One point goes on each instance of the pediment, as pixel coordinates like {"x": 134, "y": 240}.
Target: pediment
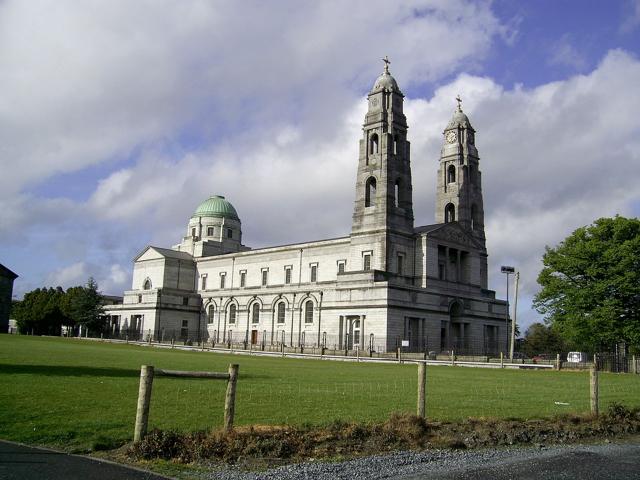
{"x": 155, "y": 253}
{"x": 453, "y": 233}
{"x": 149, "y": 253}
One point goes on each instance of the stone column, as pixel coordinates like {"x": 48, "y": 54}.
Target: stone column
{"x": 446, "y": 263}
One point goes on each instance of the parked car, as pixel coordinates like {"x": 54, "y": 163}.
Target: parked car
{"x": 577, "y": 357}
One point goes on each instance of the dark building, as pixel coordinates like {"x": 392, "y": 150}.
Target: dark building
{"x": 6, "y": 291}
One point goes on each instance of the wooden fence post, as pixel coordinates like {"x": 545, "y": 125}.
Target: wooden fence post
{"x": 230, "y": 398}
{"x": 634, "y": 365}
{"x": 501, "y": 360}
{"x": 144, "y": 398}
{"x": 453, "y": 358}
{"x": 558, "y": 364}
{"x": 593, "y": 383}
{"x": 422, "y": 381}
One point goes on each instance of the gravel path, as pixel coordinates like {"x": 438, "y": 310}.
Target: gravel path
{"x": 414, "y": 465}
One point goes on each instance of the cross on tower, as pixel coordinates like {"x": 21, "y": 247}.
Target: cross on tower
{"x": 459, "y": 100}
{"x": 386, "y": 63}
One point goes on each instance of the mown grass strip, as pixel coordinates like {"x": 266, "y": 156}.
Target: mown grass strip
{"x": 81, "y": 395}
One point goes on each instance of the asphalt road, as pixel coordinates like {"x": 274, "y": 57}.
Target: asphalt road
{"x": 584, "y": 462}
{"x": 19, "y": 462}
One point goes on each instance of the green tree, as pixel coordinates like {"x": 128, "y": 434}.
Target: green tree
{"x": 591, "y": 285}
{"x": 86, "y": 307}
{"x": 39, "y": 312}
{"x": 540, "y": 338}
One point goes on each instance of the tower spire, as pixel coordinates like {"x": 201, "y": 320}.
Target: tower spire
{"x": 387, "y": 62}
{"x": 383, "y": 209}
{"x": 459, "y": 189}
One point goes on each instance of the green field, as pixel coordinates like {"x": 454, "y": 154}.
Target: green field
{"x": 78, "y": 394}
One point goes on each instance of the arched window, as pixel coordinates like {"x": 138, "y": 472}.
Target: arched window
{"x": 255, "y": 313}
{"x": 449, "y": 213}
{"x": 396, "y": 193}
{"x": 451, "y": 174}
{"x": 474, "y": 215}
{"x": 147, "y": 284}
{"x": 373, "y": 143}
{"x": 280, "y": 312}
{"x": 370, "y": 192}
{"x": 211, "y": 314}
{"x": 396, "y": 139}
{"x": 232, "y": 313}
{"x": 308, "y": 311}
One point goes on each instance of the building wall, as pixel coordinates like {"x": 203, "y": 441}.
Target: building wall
{"x": 6, "y": 291}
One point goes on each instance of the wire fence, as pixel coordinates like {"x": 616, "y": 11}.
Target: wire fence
{"x": 617, "y": 358}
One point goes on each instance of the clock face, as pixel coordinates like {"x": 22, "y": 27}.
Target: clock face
{"x": 451, "y": 136}
{"x": 374, "y": 102}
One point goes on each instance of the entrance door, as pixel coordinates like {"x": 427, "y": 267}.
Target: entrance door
{"x": 254, "y": 337}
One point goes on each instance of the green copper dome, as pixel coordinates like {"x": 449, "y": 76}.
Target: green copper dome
{"x": 216, "y": 206}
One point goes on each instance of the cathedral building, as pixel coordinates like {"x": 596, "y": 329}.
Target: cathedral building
{"x": 388, "y": 283}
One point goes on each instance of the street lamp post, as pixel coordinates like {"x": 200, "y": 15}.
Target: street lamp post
{"x": 508, "y": 271}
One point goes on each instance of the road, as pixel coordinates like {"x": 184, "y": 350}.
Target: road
{"x": 584, "y": 462}
{"x": 19, "y": 462}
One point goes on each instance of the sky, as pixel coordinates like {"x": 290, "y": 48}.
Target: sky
{"x": 117, "y": 118}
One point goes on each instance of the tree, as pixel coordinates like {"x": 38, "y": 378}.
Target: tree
{"x": 39, "y": 312}
{"x": 591, "y": 285}
{"x": 86, "y": 307}
{"x": 540, "y": 338}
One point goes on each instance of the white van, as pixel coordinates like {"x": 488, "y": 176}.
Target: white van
{"x": 577, "y": 357}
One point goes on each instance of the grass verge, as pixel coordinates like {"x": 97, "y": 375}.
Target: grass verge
{"x": 399, "y": 432}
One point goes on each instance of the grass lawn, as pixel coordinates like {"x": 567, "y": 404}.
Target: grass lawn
{"x": 79, "y": 394}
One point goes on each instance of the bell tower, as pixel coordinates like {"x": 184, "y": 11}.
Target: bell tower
{"x": 459, "y": 186}
{"x": 383, "y": 210}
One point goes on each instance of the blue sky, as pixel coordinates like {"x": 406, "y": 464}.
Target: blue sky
{"x": 118, "y": 118}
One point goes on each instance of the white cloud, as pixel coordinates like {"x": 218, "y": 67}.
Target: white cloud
{"x": 565, "y": 53}
{"x": 85, "y": 83}
{"x": 70, "y": 276}
{"x": 631, "y": 14}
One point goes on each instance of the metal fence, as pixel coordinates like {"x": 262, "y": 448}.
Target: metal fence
{"x": 615, "y": 359}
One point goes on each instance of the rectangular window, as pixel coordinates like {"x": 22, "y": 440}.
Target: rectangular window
{"x": 281, "y": 307}
{"x": 185, "y": 301}
{"x": 184, "y": 331}
{"x": 441, "y": 271}
{"x": 229, "y": 233}
{"x": 341, "y": 264}
{"x": 314, "y": 273}
{"x": 204, "y": 282}
{"x": 210, "y": 231}
{"x": 265, "y": 275}
{"x": 400, "y": 264}
{"x": 223, "y": 278}
{"x": 193, "y": 232}
{"x": 287, "y": 275}
{"x": 243, "y": 278}
{"x": 139, "y": 298}
{"x": 366, "y": 262}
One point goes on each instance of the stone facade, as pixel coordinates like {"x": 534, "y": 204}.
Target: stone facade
{"x": 386, "y": 282}
{"x": 6, "y": 291}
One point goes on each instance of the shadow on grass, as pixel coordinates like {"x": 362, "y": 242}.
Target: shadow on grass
{"x": 67, "y": 371}
{"x": 84, "y": 371}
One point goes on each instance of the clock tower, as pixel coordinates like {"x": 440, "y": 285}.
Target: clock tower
{"x": 459, "y": 186}
{"x": 383, "y": 211}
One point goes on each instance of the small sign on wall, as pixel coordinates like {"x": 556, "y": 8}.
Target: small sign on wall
{"x": 405, "y": 343}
